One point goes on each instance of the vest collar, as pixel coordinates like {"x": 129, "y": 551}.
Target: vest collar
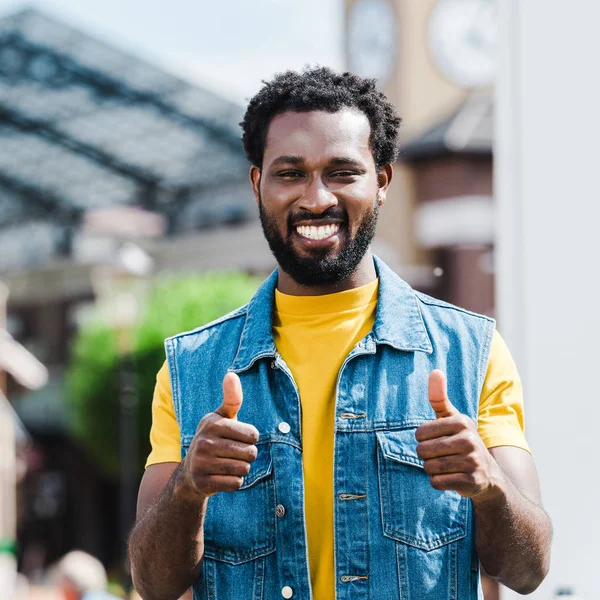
{"x": 398, "y": 320}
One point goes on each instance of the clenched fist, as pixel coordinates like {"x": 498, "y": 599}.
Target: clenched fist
{"x": 454, "y": 455}
{"x": 220, "y": 454}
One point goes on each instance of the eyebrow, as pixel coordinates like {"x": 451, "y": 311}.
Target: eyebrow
{"x": 298, "y": 160}
{"x": 345, "y": 160}
{"x": 288, "y": 160}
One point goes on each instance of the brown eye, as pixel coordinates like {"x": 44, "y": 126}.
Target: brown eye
{"x": 289, "y": 174}
{"x": 345, "y": 174}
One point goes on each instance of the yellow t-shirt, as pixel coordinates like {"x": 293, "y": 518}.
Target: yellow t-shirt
{"x": 314, "y": 334}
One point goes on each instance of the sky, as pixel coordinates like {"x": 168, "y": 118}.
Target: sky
{"x": 228, "y": 46}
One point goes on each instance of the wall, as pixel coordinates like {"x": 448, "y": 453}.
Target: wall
{"x": 547, "y": 257}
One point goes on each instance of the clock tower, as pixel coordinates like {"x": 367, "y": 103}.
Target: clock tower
{"x": 427, "y": 55}
{"x": 430, "y": 57}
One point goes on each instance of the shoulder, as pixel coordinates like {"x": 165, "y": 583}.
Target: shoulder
{"x": 436, "y": 305}
{"x": 230, "y": 320}
{"x": 466, "y": 332}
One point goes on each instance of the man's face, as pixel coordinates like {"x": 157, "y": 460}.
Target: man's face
{"x": 319, "y": 193}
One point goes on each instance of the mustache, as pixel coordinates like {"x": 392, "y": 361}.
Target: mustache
{"x": 332, "y": 213}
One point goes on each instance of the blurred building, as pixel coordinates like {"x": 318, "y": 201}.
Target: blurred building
{"x": 435, "y": 61}
{"x": 98, "y": 148}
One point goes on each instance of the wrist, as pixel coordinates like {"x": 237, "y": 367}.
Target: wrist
{"x": 184, "y": 490}
{"x": 496, "y": 490}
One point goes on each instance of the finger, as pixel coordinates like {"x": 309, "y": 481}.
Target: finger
{"x": 444, "y": 446}
{"x": 232, "y": 396}
{"x": 438, "y": 395}
{"x": 441, "y": 427}
{"x": 227, "y": 466}
{"x": 237, "y": 450}
{"x": 231, "y": 429}
{"x": 442, "y": 465}
{"x": 465, "y": 484}
{"x": 220, "y": 483}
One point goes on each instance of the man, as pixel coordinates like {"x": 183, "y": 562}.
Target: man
{"x": 324, "y": 456}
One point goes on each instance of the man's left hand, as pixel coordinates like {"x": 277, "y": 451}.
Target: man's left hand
{"x": 455, "y": 457}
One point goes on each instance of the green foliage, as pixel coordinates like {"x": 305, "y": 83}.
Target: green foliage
{"x": 175, "y": 304}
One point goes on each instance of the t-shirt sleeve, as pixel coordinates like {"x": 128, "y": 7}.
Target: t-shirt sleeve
{"x": 501, "y": 420}
{"x": 164, "y": 433}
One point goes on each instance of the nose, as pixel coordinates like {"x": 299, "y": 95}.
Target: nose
{"x": 317, "y": 198}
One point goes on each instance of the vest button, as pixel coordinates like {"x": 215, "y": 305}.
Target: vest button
{"x": 287, "y": 591}
{"x": 284, "y": 428}
{"x": 280, "y": 510}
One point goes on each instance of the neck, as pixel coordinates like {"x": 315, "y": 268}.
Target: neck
{"x": 363, "y": 274}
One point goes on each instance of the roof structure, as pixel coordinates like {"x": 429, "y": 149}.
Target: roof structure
{"x": 84, "y": 125}
{"x": 468, "y": 130}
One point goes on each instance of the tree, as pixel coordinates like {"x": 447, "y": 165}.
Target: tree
{"x": 175, "y": 304}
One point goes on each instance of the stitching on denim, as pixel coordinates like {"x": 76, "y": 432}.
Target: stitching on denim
{"x": 484, "y": 358}
{"x": 452, "y": 550}
{"x": 252, "y": 361}
{"x": 438, "y": 542}
{"x": 430, "y": 301}
{"x": 238, "y": 312}
{"x": 401, "y": 570}
{"x": 404, "y": 459}
{"x": 366, "y": 470}
{"x": 428, "y": 338}
{"x": 460, "y": 532}
{"x": 275, "y": 438}
{"x": 237, "y": 558}
{"x": 210, "y": 578}
{"x": 175, "y": 392}
{"x": 399, "y": 457}
{"x": 374, "y": 426}
{"x": 186, "y": 440}
{"x": 259, "y": 474}
{"x": 259, "y": 578}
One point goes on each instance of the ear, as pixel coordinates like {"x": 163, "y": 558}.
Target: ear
{"x": 255, "y": 182}
{"x": 384, "y": 178}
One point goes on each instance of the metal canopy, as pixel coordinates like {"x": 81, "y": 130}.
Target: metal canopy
{"x": 84, "y": 125}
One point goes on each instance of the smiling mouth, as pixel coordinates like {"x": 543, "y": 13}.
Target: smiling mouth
{"x": 321, "y": 232}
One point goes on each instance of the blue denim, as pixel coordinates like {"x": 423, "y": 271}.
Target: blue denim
{"x": 395, "y": 536}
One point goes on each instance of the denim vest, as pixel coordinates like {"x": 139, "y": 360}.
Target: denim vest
{"x": 395, "y": 536}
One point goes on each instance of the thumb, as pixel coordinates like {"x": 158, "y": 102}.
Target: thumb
{"x": 438, "y": 395}
{"x": 232, "y": 396}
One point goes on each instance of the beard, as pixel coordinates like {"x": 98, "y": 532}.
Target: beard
{"x": 325, "y": 267}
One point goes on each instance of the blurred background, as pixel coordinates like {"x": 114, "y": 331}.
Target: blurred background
{"x": 126, "y": 216}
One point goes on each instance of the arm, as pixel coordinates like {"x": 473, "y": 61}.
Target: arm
{"x": 514, "y": 534}
{"x": 164, "y": 562}
{"x": 166, "y": 545}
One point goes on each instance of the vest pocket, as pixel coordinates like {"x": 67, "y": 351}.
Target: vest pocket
{"x": 412, "y": 511}
{"x": 240, "y": 526}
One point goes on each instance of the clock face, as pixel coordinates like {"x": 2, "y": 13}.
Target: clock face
{"x": 462, "y": 41}
{"x": 372, "y": 39}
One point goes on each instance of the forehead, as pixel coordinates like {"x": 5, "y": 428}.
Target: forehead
{"x": 318, "y": 135}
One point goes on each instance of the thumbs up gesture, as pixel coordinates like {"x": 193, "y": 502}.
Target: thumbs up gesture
{"x": 223, "y": 448}
{"x": 454, "y": 455}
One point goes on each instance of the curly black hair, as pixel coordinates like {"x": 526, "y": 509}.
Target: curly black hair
{"x": 320, "y": 88}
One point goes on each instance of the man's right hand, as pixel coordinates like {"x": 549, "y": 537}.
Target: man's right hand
{"x": 220, "y": 454}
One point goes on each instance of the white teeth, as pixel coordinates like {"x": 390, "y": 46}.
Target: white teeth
{"x": 317, "y": 233}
